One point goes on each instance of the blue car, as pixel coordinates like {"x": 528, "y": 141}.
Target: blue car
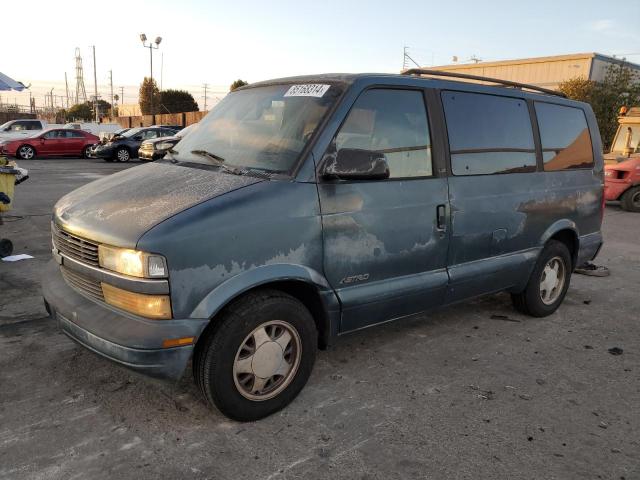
{"x": 124, "y": 146}
{"x": 305, "y": 208}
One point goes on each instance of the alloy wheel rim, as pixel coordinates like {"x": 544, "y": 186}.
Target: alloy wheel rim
{"x": 26, "y": 152}
{"x": 123, "y": 155}
{"x": 267, "y": 360}
{"x": 552, "y": 280}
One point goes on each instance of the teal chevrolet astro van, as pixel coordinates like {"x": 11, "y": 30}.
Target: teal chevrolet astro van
{"x": 305, "y": 208}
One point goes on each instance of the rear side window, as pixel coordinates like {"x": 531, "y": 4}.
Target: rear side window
{"x": 393, "y": 122}
{"x": 565, "y": 138}
{"x": 488, "y": 134}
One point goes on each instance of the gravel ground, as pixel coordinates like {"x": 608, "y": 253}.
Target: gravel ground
{"x": 472, "y": 391}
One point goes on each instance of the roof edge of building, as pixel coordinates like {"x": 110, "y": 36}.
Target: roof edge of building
{"x": 553, "y": 58}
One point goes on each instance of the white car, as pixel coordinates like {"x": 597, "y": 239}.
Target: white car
{"x": 21, "y": 128}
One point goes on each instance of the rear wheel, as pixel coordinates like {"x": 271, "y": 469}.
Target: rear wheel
{"x": 630, "y": 200}
{"x": 258, "y": 355}
{"x": 26, "y": 152}
{"x": 549, "y": 282}
{"x": 123, "y": 155}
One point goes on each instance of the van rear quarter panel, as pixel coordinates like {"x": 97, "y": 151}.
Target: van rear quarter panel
{"x": 271, "y": 224}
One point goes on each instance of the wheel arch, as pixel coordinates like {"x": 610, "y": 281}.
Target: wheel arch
{"x": 564, "y": 231}
{"x": 302, "y": 283}
{"x": 35, "y": 151}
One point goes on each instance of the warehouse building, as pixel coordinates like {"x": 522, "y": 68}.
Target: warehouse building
{"x": 546, "y": 72}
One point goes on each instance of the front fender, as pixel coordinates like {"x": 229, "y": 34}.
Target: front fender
{"x": 220, "y": 296}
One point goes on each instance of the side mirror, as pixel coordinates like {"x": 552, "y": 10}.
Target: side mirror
{"x": 357, "y": 164}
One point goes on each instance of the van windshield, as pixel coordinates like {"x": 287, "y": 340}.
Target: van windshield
{"x": 264, "y": 128}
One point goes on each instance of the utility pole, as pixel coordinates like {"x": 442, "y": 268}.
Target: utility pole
{"x": 95, "y": 84}
{"x": 111, "y": 84}
{"x": 66, "y": 84}
{"x": 161, "y": 68}
{"x": 121, "y": 95}
{"x": 205, "y": 86}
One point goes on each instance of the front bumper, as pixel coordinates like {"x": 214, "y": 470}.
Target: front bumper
{"x": 126, "y": 339}
{"x": 104, "y": 152}
{"x": 150, "y": 154}
{"x": 614, "y": 188}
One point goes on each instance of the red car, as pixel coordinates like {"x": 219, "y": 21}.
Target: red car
{"x": 622, "y": 182}
{"x": 56, "y": 142}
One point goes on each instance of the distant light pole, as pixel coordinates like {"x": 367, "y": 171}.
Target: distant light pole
{"x": 151, "y": 48}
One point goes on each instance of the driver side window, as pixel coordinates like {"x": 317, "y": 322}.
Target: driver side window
{"x": 392, "y": 122}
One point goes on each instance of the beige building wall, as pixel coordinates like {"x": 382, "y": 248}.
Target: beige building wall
{"x": 546, "y": 72}
{"x": 129, "y": 110}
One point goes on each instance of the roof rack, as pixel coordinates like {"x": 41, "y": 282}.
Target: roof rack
{"x": 506, "y": 83}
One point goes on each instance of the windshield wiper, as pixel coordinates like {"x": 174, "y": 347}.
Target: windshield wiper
{"x": 218, "y": 162}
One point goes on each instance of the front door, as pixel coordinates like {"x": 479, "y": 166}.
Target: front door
{"x": 385, "y": 241}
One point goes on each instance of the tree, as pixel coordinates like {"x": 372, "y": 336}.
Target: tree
{"x": 148, "y": 96}
{"x": 176, "y": 101}
{"x": 237, "y": 84}
{"x": 620, "y": 87}
{"x": 80, "y": 111}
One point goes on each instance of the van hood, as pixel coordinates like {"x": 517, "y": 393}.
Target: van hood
{"x": 120, "y": 208}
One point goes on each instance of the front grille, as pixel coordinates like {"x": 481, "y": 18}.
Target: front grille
{"x": 75, "y": 247}
{"x": 80, "y": 282}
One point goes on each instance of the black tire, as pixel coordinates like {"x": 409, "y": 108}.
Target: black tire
{"x": 630, "y": 199}
{"x": 26, "y": 152}
{"x": 530, "y": 300}
{"x": 85, "y": 152}
{"x": 215, "y": 354}
{"x": 122, "y": 155}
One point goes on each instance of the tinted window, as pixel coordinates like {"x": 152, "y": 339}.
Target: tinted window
{"x": 488, "y": 134}
{"x": 565, "y": 138}
{"x": 33, "y": 125}
{"x": 55, "y": 134}
{"x": 393, "y": 122}
{"x": 71, "y": 134}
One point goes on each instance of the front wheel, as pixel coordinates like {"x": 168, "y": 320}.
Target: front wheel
{"x": 86, "y": 152}
{"x": 549, "y": 282}
{"x": 26, "y": 152}
{"x": 123, "y": 155}
{"x": 257, "y": 356}
{"x": 630, "y": 200}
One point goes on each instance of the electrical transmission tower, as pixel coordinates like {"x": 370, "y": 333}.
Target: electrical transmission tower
{"x": 406, "y": 59}
{"x": 81, "y": 93}
{"x": 205, "y": 86}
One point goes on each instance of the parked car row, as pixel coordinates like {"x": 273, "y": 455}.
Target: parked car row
{"x": 124, "y": 146}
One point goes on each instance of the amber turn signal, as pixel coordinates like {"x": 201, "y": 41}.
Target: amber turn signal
{"x": 156, "y": 307}
{"x": 177, "y": 342}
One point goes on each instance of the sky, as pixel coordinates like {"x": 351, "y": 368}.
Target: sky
{"x": 217, "y": 42}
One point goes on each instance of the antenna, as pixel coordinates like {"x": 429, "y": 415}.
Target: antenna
{"x": 81, "y": 93}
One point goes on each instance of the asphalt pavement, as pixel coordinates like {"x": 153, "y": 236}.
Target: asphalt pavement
{"x": 473, "y": 391}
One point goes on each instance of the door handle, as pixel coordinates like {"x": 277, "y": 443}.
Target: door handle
{"x": 441, "y": 218}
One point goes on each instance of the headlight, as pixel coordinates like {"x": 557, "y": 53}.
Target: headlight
{"x": 157, "y": 307}
{"x": 163, "y": 146}
{"x": 132, "y": 262}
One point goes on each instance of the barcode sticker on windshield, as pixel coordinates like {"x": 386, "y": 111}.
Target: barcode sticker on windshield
{"x": 307, "y": 90}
